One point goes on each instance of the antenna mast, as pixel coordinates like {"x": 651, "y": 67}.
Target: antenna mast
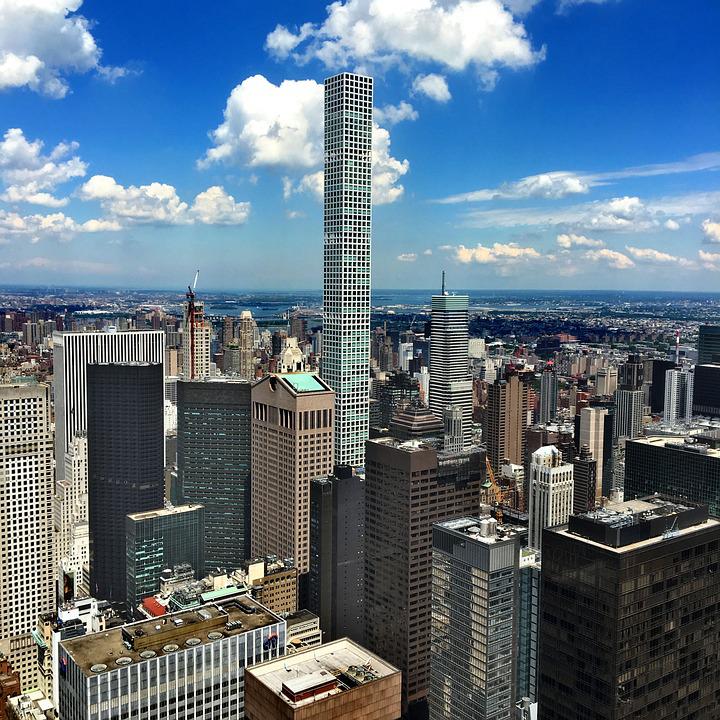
{"x": 190, "y": 295}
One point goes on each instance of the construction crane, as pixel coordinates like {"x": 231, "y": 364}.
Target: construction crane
{"x": 190, "y": 295}
{"x": 491, "y": 483}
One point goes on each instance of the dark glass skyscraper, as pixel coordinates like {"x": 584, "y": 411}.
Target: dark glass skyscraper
{"x": 213, "y": 436}
{"x": 709, "y": 344}
{"x": 126, "y": 454}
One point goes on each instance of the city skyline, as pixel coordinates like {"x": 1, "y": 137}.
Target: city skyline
{"x": 192, "y": 157}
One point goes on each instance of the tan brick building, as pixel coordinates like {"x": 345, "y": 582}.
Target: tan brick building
{"x": 337, "y": 681}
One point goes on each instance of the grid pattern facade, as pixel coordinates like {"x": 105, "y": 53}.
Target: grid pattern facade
{"x": 528, "y": 635}
{"x": 26, "y": 542}
{"x": 548, "y": 395}
{"x": 72, "y": 353}
{"x": 629, "y": 413}
{"x": 126, "y": 442}
{"x": 506, "y": 421}
{"x": 450, "y": 381}
{"x": 708, "y": 344}
{"x": 196, "y": 339}
{"x": 474, "y": 626}
{"x": 706, "y": 395}
{"x": 158, "y": 540}
{"x": 213, "y": 458}
{"x": 292, "y": 444}
{"x": 347, "y": 239}
{"x": 678, "y": 395}
{"x": 630, "y": 633}
{"x": 407, "y": 490}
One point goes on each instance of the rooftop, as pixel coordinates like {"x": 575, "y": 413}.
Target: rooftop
{"x": 683, "y": 443}
{"x": 164, "y": 512}
{"x": 303, "y": 382}
{"x": 481, "y": 529}
{"x": 319, "y": 673}
{"x": 146, "y": 639}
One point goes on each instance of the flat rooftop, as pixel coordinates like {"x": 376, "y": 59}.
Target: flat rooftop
{"x": 302, "y": 382}
{"x": 678, "y": 442}
{"x": 485, "y": 530}
{"x": 342, "y": 663}
{"x": 165, "y": 512}
{"x": 102, "y": 652}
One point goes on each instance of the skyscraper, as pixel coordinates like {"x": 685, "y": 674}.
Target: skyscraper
{"x": 126, "y": 447}
{"x": 585, "y": 482}
{"x": 409, "y": 486}
{"x": 72, "y": 353}
{"x": 26, "y": 536}
{"x": 628, "y": 623}
{"x": 246, "y": 343}
{"x": 548, "y": 393}
{"x": 594, "y": 428}
{"x": 678, "y": 395}
{"x": 347, "y": 235}
{"x": 292, "y": 444}
{"x": 629, "y": 406}
{"x": 706, "y": 390}
{"x": 196, "y": 339}
{"x": 606, "y": 381}
{"x": 450, "y": 381}
{"x": 708, "y": 344}
{"x": 213, "y": 458}
{"x": 551, "y": 492}
{"x": 474, "y": 620}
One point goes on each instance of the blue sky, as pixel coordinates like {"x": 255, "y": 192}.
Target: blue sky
{"x": 525, "y": 144}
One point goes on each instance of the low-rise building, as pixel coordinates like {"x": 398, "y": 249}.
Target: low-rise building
{"x": 303, "y": 630}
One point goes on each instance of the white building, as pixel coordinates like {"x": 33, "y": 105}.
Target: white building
{"x": 72, "y": 353}
{"x": 405, "y": 355}
{"x": 606, "y": 381}
{"x": 629, "y": 409}
{"x": 551, "y": 492}
{"x": 196, "y": 339}
{"x": 592, "y": 434}
{"x": 678, "y": 395}
{"x": 346, "y": 287}
{"x": 450, "y": 381}
{"x": 27, "y": 586}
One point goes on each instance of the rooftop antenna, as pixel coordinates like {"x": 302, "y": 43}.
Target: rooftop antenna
{"x": 190, "y": 295}
{"x": 443, "y": 283}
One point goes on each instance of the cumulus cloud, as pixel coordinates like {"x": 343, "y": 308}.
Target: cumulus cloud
{"x": 711, "y": 230}
{"x": 393, "y": 114}
{"x": 709, "y": 260}
{"x": 31, "y": 176}
{"x": 433, "y": 86}
{"x": 564, "y": 5}
{"x": 570, "y": 240}
{"x": 159, "y": 203}
{"x": 55, "y": 224}
{"x": 496, "y": 253}
{"x": 612, "y": 258}
{"x": 407, "y": 257}
{"x": 44, "y": 41}
{"x": 267, "y": 125}
{"x": 553, "y": 185}
{"x": 427, "y": 252}
{"x": 658, "y": 257}
{"x": 671, "y": 224}
{"x": 454, "y": 34}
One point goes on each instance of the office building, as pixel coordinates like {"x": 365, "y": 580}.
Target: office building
{"x": 72, "y": 353}
{"x": 9, "y": 685}
{"x": 631, "y": 374}
{"x": 390, "y": 393}
{"x": 529, "y": 595}
{"x": 550, "y": 490}
{"x": 303, "y": 630}
{"x": 347, "y": 239}
{"x": 196, "y": 339}
{"x": 706, "y": 391}
{"x": 606, "y": 381}
{"x": 450, "y": 380}
{"x": 292, "y": 444}
{"x": 27, "y": 572}
{"x": 247, "y": 328}
{"x": 640, "y": 640}
{"x": 708, "y": 344}
{"x": 409, "y": 486}
{"x": 415, "y": 421}
{"x": 337, "y": 555}
{"x": 126, "y": 449}
{"x": 213, "y": 460}
{"x": 548, "y": 394}
{"x": 507, "y": 418}
{"x": 474, "y": 620}
{"x": 160, "y": 539}
{"x": 585, "y": 482}
{"x": 188, "y": 665}
{"x": 674, "y": 466}
{"x": 338, "y": 681}
{"x": 629, "y": 406}
{"x": 595, "y": 428}
{"x": 657, "y": 388}
{"x": 71, "y": 531}
{"x": 678, "y": 406}
{"x": 274, "y": 584}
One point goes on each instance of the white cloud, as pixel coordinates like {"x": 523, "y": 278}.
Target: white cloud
{"x": 159, "y": 203}
{"x": 497, "y": 253}
{"x": 454, "y": 34}
{"x": 55, "y": 224}
{"x": 214, "y": 206}
{"x": 44, "y": 41}
{"x": 710, "y": 261}
{"x": 294, "y": 214}
{"x": 711, "y": 230}
{"x": 93, "y": 226}
{"x": 564, "y": 5}
{"x": 427, "y": 252}
{"x": 282, "y": 126}
{"x": 80, "y": 266}
{"x": 433, "y": 86}
{"x": 570, "y": 240}
{"x": 671, "y": 224}
{"x": 407, "y": 257}
{"x": 393, "y": 114}
{"x": 29, "y": 175}
{"x": 612, "y": 258}
{"x": 658, "y": 257}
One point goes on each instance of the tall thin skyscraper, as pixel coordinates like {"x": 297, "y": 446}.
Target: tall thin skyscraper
{"x": 246, "y": 342}
{"x": 629, "y": 406}
{"x": 678, "y": 395}
{"x": 196, "y": 338}
{"x": 347, "y": 234}
{"x": 26, "y": 539}
{"x": 548, "y": 393}
{"x": 450, "y": 381}
{"x": 72, "y": 353}
{"x": 126, "y": 442}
